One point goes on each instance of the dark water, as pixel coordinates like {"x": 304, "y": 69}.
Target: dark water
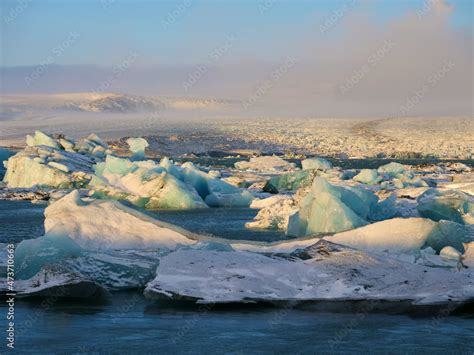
{"x": 127, "y": 323}
{"x": 226, "y": 223}
{"x": 343, "y": 163}
{"x": 23, "y": 220}
{"x": 20, "y": 220}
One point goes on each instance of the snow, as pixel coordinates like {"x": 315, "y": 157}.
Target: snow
{"x": 265, "y": 163}
{"x": 402, "y": 235}
{"x": 107, "y": 224}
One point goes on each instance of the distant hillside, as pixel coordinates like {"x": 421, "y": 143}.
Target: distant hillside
{"x": 109, "y": 103}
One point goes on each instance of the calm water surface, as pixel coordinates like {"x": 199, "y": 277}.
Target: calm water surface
{"x": 127, "y": 323}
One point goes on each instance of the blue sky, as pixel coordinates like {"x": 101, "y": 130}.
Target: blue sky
{"x": 109, "y": 30}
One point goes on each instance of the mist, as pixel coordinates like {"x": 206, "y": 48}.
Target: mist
{"x": 347, "y": 64}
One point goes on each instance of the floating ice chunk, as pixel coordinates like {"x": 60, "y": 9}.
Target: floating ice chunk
{"x": 41, "y": 138}
{"x": 265, "y": 163}
{"x": 274, "y": 214}
{"x": 384, "y": 210}
{"x": 236, "y": 199}
{"x": 451, "y": 234}
{"x": 104, "y": 225}
{"x": 331, "y": 209}
{"x": 403, "y": 235}
{"x": 323, "y": 271}
{"x": 94, "y": 138}
{"x": 450, "y": 253}
{"x": 408, "y": 178}
{"x": 137, "y": 147}
{"x": 59, "y": 166}
{"x": 115, "y": 165}
{"x": 452, "y": 205}
{"x": 175, "y": 195}
{"x": 116, "y": 270}
{"x": 368, "y": 176}
{"x": 323, "y": 214}
{"x": 67, "y": 144}
{"x": 215, "y": 192}
{"x": 32, "y": 254}
{"x": 90, "y": 144}
{"x": 396, "y": 235}
{"x": 168, "y": 165}
{"x": 316, "y": 163}
{"x": 216, "y": 174}
{"x": 42, "y": 166}
{"x": 391, "y": 169}
{"x": 289, "y": 181}
{"x": 468, "y": 256}
{"x": 57, "y": 281}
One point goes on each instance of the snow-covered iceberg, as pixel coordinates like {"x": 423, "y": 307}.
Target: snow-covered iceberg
{"x": 399, "y": 235}
{"x": 54, "y": 162}
{"x": 46, "y": 167}
{"x": 321, "y": 272}
{"x": 108, "y": 224}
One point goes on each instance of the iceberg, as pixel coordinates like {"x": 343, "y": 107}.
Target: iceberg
{"x": 56, "y": 281}
{"x": 403, "y": 235}
{"x": 289, "y": 181}
{"x": 450, "y": 253}
{"x": 125, "y": 228}
{"x": 392, "y": 169}
{"x": 321, "y": 272}
{"x": 92, "y": 145}
{"x": 33, "y": 254}
{"x": 46, "y": 167}
{"x": 40, "y": 138}
{"x": 238, "y": 199}
{"x": 368, "y": 176}
{"x": 330, "y": 209}
{"x": 143, "y": 184}
{"x": 451, "y": 205}
{"x": 137, "y": 147}
{"x": 316, "y": 164}
{"x": 274, "y": 213}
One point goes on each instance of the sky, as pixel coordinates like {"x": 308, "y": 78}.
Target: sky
{"x": 361, "y": 57}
